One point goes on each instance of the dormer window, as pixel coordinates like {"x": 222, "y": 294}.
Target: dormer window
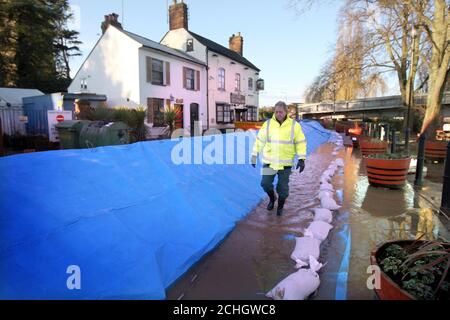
{"x": 190, "y": 44}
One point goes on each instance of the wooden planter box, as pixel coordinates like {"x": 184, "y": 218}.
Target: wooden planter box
{"x": 389, "y": 290}
{"x": 368, "y": 147}
{"x": 435, "y": 150}
{"x": 387, "y": 173}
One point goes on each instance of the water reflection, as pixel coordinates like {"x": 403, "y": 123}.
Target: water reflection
{"x": 385, "y": 203}
{"x": 425, "y": 227}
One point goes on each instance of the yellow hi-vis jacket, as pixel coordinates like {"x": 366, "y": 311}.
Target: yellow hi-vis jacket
{"x": 280, "y": 143}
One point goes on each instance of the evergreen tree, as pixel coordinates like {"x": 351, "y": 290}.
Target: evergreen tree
{"x": 36, "y": 44}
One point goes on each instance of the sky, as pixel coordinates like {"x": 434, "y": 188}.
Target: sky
{"x": 289, "y": 48}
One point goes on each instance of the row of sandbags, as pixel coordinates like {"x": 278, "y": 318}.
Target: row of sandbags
{"x": 302, "y": 283}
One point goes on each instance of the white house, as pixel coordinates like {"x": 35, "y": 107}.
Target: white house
{"x": 134, "y": 71}
{"x": 233, "y": 81}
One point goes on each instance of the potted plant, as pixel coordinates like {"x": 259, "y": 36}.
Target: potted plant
{"x": 372, "y": 146}
{"x": 413, "y": 270}
{"x": 387, "y": 170}
{"x": 435, "y": 150}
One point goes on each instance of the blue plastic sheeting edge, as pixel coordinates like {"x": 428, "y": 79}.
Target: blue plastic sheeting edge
{"x": 342, "y": 275}
{"x": 312, "y": 128}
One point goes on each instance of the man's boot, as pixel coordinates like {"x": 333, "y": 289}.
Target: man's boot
{"x": 280, "y": 206}
{"x": 272, "y": 199}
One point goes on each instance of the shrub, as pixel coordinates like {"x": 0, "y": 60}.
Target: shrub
{"x": 133, "y": 118}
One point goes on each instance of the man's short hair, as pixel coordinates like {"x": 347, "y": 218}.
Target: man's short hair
{"x": 281, "y": 104}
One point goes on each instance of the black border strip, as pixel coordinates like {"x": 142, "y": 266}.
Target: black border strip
{"x": 387, "y": 175}
{"x": 375, "y": 168}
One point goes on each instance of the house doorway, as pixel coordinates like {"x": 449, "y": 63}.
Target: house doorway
{"x": 241, "y": 115}
{"x": 193, "y": 117}
{"x": 178, "y": 108}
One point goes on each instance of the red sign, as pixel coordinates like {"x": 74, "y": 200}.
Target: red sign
{"x": 60, "y": 118}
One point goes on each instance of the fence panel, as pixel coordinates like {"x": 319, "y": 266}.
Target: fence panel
{"x": 11, "y": 123}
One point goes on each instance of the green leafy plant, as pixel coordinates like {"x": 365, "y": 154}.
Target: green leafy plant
{"x": 420, "y": 268}
{"x": 169, "y": 119}
{"x": 133, "y": 118}
{"x": 101, "y": 114}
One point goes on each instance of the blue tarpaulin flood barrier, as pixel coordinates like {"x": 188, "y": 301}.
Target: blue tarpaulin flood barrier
{"x": 129, "y": 218}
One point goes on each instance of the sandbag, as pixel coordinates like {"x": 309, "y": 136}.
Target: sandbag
{"x": 325, "y": 179}
{"x": 298, "y": 285}
{"x": 326, "y": 186}
{"x": 339, "y": 162}
{"x": 329, "y": 203}
{"x": 322, "y": 214}
{"x": 325, "y": 193}
{"x": 319, "y": 229}
{"x": 332, "y": 167}
{"x": 304, "y": 247}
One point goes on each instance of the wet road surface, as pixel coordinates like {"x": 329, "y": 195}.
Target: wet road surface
{"x": 255, "y": 256}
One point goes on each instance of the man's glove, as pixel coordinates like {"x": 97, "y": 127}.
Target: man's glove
{"x": 301, "y": 165}
{"x": 254, "y": 161}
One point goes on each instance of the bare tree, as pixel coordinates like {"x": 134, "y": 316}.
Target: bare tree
{"x": 433, "y": 18}
{"x": 347, "y": 76}
{"x": 408, "y": 37}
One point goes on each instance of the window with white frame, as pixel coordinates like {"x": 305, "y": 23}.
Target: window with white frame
{"x": 157, "y": 71}
{"x": 190, "y": 79}
{"x": 237, "y": 82}
{"x": 252, "y": 113}
{"x": 221, "y": 79}
{"x": 250, "y": 84}
{"x": 223, "y": 113}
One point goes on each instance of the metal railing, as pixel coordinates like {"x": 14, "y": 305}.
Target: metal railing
{"x": 390, "y": 102}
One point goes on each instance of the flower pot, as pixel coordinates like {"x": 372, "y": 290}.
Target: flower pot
{"x": 370, "y": 147}
{"x": 387, "y": 173}
{"x": 388, "y": 289}
{"x": 406, "y": 268}
{"x": 435, "y": 150}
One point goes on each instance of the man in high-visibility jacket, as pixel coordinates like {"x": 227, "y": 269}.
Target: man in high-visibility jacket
{"x": 279, "y": 140}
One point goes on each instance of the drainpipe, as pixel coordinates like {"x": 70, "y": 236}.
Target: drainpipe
{"x": 418, "y": 182}
{"x": 445, "y": 204}
{"x": 207, "y": 90}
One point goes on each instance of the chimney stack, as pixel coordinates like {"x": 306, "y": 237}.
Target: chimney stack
{"x": 178, "y": 15}
{"x": 111, "y": 19}
{"x": 237, "y": 43}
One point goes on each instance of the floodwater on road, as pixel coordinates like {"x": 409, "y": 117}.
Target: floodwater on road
{"x": 255, "y": 256}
